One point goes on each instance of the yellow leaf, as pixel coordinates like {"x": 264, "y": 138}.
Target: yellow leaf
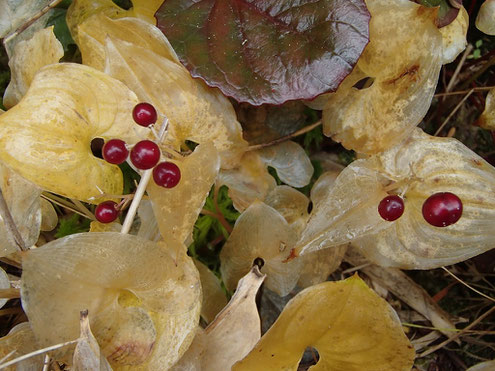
{"x": 46, "y": 137}
{"x": 214, "y": 299}
{"x": 487, "y": 118}
{"x": 318, "y": 265}
{"x": 21, "y": 340}
{"x": 28, "y": 58}
{"x": 402, "y": 63}
{"x": 260, "y": 233}
{"x": 236, "y": 329}
{"x": 177, "y": 209}
{"x": 144, "y": 297}
{"x": 454, "y": 36}
{"x": 49, "y": 217}
{"x": 351, "y": 327}
{"x": 485, "y": 20}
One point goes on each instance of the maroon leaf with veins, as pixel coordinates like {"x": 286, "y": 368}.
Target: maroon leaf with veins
{"x": 267, "y": 51}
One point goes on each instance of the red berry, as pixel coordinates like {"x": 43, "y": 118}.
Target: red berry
{"x": 145, "y": 154}
{"x": 144, "y": 114}
{"x": 106, "y": 212}
{"x": 442, "y": 209}
{"x": 166, "y": 174}
{"x": 391, "y": 208}
{"x": 115, "y": 152}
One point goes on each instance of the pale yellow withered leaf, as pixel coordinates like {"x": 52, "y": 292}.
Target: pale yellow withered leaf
{"x": 87, "y": 355}
{"x": 248, "y": 182}
{"x": 418, "y": 168}
{"x": 291, "y": 204}
{"x": 21, "y": 340}
{"x": 346, "y": 209}
{"x": 29, "y": 57}
{"x": 487, "y": 118}
{"x": 483, "y": 366}
{"x": 23, "y": 200}
{"x": 318, "y": 265}
{"x": 350, "y": 326}
{"x": 290, "y": 161}
{"x": 145, "y": 9}
{"x": 49, "y": 217}
{"x": 322, "y": 185}
{"x": 148, "y": 228}
{"x": 15, "y": 12}
{"x": 177, "y": 209}
{"x": 144, "y": 297}
{"x": 191, "y": 360}
{"x": 236, "y": 329}
{"x": 4, "y": 284}
{"x": 402, "y": 63}
{"x": 261, "y": 233}
{"x": 96, "y": 226}
{"x": 65, "y": 108}
{"x": 485, "y": 20}
{"x": 196, "y": 112}
{"x": 454, "y": 36}
{"x": 93, "y": 32}
{"x": 214, "y": 299}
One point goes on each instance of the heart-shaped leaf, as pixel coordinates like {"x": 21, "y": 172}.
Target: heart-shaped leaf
{"x": 267, "y": 51}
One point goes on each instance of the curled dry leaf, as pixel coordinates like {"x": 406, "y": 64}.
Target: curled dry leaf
{"x": 16, "y": 12}
{"x": 417, "y": 168}
{"x": 21, "y": 340}
{"x": 454, "y": 36}
{"x": 23, "y": 200}
{"x": 28, "y": 58}
{"x": 402, "y": 62}
{"x": 177, "y": 209}
{"x": 485, "y": 21}
{"x": 261, "y": 233}
{"x": 144, "y": 297}
{"x": 487, "y": 118}
{"x": 87, "y": 355}
{"x": 318, "y": 265}
{"x": 49, "y": 217}
{"x": 290, "y": 161}
{"x": 191, "y": 360}
{"x": 214, "y": 298}
{"x": 237, "y": 328}
{"x": 351, "y": 327}
{"x": 4, "y": 284}
{"x": 248, "y": 182}
{"x": 65, "y": 108}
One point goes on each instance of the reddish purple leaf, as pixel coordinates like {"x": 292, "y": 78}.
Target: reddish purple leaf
{"x": 267, "y": 51}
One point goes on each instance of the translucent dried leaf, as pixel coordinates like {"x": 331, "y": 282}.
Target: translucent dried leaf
{"x": 351, "y": 327}
{"x": 260, "y": 232}
{"x": 248, "y": 181}
{"x": 236, "y": 329}
{"x": 290, "y": 161}
{"x": 318, "y": 265}
{"x": 4, "y": 284}
{"x": 191, "y": 360}
{"x": 56, "y": 147}
{"x": 487, "y": 118}
{"x": 23, "y": 201}
{"x": 21, "y": 340}
{"x": 96, "y": 226}
{"x": 421, "y": 166}
{"x": 214, "y": 299}
{"x": 178, "y": 208}
{"x": 87, "y": 356}
{"x": 16, "y": 12}
{"x": 28, "y": 58}
{"x": 322, "y": 185}
{"x": 454, "y": 36}
{"x": 144, "y": 297}
{"x": 483, "y": 366}
{"x": 49, "y": 217}
{"x": 93, "y": 32}
{"x": 485, "y": 20}
{"x": 148, "y": 229}
{"x": 402, "y": 61}
{"x": 291, "y": 204}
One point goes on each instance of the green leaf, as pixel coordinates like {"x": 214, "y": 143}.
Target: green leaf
{"x": 57, "y": 20}
{"x": 71, "y": 225}
{"x": 267, "y": 51}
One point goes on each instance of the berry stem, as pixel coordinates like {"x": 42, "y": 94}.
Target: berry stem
{"x": 143, "y": 183}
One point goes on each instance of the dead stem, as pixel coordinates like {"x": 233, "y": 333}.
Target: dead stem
{"x": 467, "y": 285}
{"x": 220, "y": 218}
{"x": 452, "y": 113}
{"x": 10, "y": 293}
{"x": 302, "y": 131}
{"x": 10, "y": 224}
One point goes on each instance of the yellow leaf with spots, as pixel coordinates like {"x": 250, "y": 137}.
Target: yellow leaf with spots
{"x": 352, "y": 328}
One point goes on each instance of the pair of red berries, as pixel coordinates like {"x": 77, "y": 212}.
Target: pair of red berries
{"x": 144, "y": 155}
{"x": 440, "y": 209}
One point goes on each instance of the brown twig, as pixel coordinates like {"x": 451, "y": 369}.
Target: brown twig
{"x": 220, "y": 218}
{"x": 10, "y": 293}
{"x": 452, "y": 113}
{"x": 480, "y": 88}
{"x": 31, "y": 20}
{"x": 302, "y": 131}
{"x": 453, "y": 80}
{"x": 10, "y": 224}
{"x": 460, "y": 333}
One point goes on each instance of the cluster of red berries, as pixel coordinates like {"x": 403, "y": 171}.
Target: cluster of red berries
{"x": 440, "y": 209}
{"x": 144, "y": 155}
